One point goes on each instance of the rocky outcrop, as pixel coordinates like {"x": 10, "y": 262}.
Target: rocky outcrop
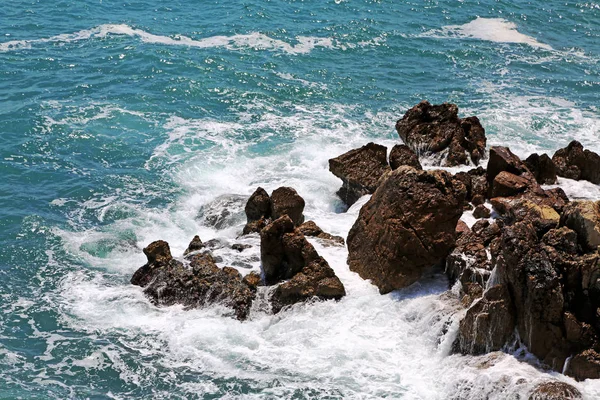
{"x": 584, "y": 218}
{"x": 195, "y": 245}
{"x": 167, "y": 281}
{"x": 258, "y": 211}
{"x": 286, "y": 201}
{"x": 360, "y": 171}
{"x": 543, "y": 168}
{"x": 286, "y": 254}
{"x": 261, "y": 208}
{"x": 574, "y": 162}
{"x": 401, "y": 155}
{"x": 309, "y": 228}
{"x": 436, "y": 130}
{"x": 407, "y": 226}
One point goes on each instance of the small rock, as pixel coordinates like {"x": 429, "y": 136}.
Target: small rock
{"x": 258, "y": 211}
{"x": 401, "y": 154}
{"x": 195, "y": 245}
{"x": 506, "y": 184}
{"x": 585, "y": 365}
{"x": 481, "y": 211}
{"x": 240, "y": 247}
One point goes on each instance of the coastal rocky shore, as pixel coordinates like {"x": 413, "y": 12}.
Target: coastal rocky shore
{"x": 527, "y": 272}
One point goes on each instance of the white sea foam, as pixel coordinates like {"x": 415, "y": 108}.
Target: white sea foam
{"x": 490, "y": 29}
{"x": 253, "y": 40}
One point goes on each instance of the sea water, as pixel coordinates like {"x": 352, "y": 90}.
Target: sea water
{"x": 124, "y": 122}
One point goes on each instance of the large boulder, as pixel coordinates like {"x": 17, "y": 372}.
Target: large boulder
{"x": 167, "y": 281}
{"x": 574, "y": 162}
{"x": 502, "y": 159}
{"x": 437, "y": 130}
{"x": 585, "y": 365}
{"x": 286, "y": 201}
{"x": 542, "y": 167}
{"x": 401, "y": 155}
{"x": 584, "y": 218}
{"x": 360, "y": 171}
{"x": 407, "y": 226}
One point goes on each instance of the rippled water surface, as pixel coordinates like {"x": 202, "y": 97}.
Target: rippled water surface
{"x": 123, "y": 122}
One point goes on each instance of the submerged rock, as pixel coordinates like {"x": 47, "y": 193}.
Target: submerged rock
{"x": 574, "y": 162}
{"x": 407, "y": 226}
{"x": 437, "y": 129}
{"x": 401, "y": 155}
{"x": 309, "y": 228}
{"x": 555, "y": 390}
{"x": 167, "y": 281}
{"x": 360, "y": 171}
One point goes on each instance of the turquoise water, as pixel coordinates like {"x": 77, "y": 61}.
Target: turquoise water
{"x": 125, "y": 122}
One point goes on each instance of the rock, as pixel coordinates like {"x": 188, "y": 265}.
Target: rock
{"x": 502, "y": 159}
{"x": 468, "y": 260}
{"x": 315, "y": 280}
{"x": 562, "y": 239}
{"x": 360, "y": 171}
{"x": 489, "y": 323}
{"x": 478, "y": 200}
{"x": 286, "y": 201}
{"x": 309, "y": 228}
{"x": 461, "y": 228}
{"x": 430, "y": 129}
{"x": 542, "y": 216}
{"x": 542, "y": 167}
{"x": 574, "y": 162}
{"x": 252, "y": 280}
{"x": 167, "y": 281}
{"x": 401, "y": 154}
{"x": 584, "y": 218}
{"x": 481, "y": 211}
{"x": 195, "y": 245}
{"x": 466, "y": 180}
{"x": 585, "y": 365}
{"x": 240, "y": 247}
{"x": 407, "y": 226}
{"x": 506, "y": 184}
{"x": 479, "y": 188}
{"x": 258, "y": 211}
{"x": 555, "y": 390}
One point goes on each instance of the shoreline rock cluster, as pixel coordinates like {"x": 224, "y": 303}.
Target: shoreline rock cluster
{"x": 528, "y": 269}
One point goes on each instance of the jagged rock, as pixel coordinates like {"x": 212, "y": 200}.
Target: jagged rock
{"x": 310, "y": 228}
{"x": 506, "y": 184}
{"x": 584, "y": 218}
{"x": 360, "y": 171}
{"x": 315, "y": 280}
{"x": 468, "y": 260}
{"x": 489, "y": 323}
{"x": 195, "y": 245}
{"x": 481, "y": 211}
{"x": 286, "y": 201}
{"x": 252, "y": 279}
{"x": 407, "y": 226}
{"x": 542, "y": 167}
{"x": 542, "y": 216}
{"x": 502, "y": 159}
{"x": 401, "y": 155}
{"x": 555, "y": 390}
{"x": 585, "y": 365}
{"x": 574, "y": 162}
{"x": 430, "y": 129}
{"x": 467, "y": 181}
{"x": 258, "y": 211}
{"x": 167, "y": 281}
{"x": 562, "y": 239}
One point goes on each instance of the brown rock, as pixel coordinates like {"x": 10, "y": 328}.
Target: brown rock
{"x": 195, "y": 245}
{"x": 461, "y": 228}
{"x": 310, "y": 228}
{"x": 481, "y": 211}
{"x": 360, "y": 171}
{"x": 555, "y": 390}
{"x": 543, "y": 168}
{"x": 407, "y": 226}
{"x": 478, "y": 200}
{"x": 252, "y": 279}
{"x": 258, "y": 211}
{"x": 401, "y": 155}
{"x": 286, "y": 201}
{"x": 502, "y": 159}
{"x": 431, "y": 129}
{"x": 506, "y": 184}
{"x": 585, "y": 365}
{"x": 574, "y": 162}
{"x": 584, "y": 218}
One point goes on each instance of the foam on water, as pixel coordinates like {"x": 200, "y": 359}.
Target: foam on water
{"x": 496, "y": 30}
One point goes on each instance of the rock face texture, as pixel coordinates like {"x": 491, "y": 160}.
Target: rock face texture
{"x": 360, "y": 171}
{"x": 555, "y": 390}
{"x": 286, "y": 254}
{"x": 167, "y": 281}
{"x": 584, "y": 218}
{"x": 574, "y": 162}
{"x": 407, "y": 226}
{"x": 286, "y": 201}
{"x": 437, "y": 130}
{"x": 258, "y": 211}
{"x": 401, "y": 155}
{"x": 543, "y": 168}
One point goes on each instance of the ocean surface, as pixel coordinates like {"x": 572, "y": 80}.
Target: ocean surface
{"x": 123, "y": 122}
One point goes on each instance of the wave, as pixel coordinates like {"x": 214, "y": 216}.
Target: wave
{"x": 253, "y": 40}
{"x": 496, "y": 30}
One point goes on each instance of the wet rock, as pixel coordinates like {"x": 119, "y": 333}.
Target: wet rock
{"x": 467, "y": 181}
{"x": 584, "y": 218}
{"x": 286, "y": 201}
{"x": 252, "y": 280}
{"x": 360, "y": 171}
{"x": 555, "y": 390}
{"x": 407, "y": 226}
{"x": 542, "y": 216}
{"x": 461, "y": 228}
{"x": 502, "y": 159}
{"x": 195, "y": 245}
{"x": 401, "y": 155}
{"x": 585, "y": 365}
{"x": 167, "y": 281}
{"x": 258, "y": 211}
{"x": 506, "y": 184}
{"x": 240, "y": 247}
{"x": 437, "y": 130}
{"x": 478, "y": 200}
{"x": 481, "y": 211}
{"x": 574, "y": 162}
{"x": 468, "y": 260}
{"x": 562, "y": 239}
{"x": 315, "y": 280}
{"x": 489, "y": 323}
{"x": 479, "y": 188}
{"x": 310, "y": 228}
{"x": 542, "y": 167}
